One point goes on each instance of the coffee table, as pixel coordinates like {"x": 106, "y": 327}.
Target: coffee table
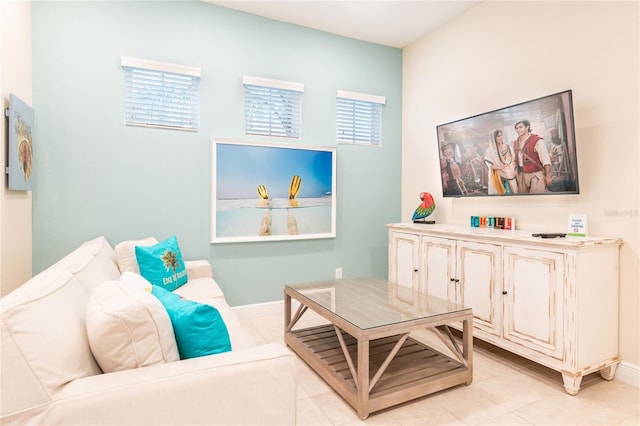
{"x": 364, "y": 349}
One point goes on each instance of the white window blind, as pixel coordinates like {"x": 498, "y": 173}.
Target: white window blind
{"x": 272, "y": 107}
{"x": 359, "y": 118}
{"x": 159, "y": 94}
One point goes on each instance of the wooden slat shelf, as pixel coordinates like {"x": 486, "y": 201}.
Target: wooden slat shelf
{"x": 414, "y": 364}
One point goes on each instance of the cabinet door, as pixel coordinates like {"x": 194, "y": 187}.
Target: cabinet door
{"x": 437, "y": 268}
{"x": 533, "y": 303}
{"x": 479, "y": 271}
{"x": 404, "y": 259}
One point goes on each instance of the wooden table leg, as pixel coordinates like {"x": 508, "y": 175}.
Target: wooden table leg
{"x": 287, "y": 312}
{"x": 363, "y": 379}
{"x": 467, "y": 346}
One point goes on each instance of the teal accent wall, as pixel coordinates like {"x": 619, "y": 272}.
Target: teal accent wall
{"x": 96, "y": 176}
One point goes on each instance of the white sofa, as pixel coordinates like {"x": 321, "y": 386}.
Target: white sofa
{"x": 49, "y": 375}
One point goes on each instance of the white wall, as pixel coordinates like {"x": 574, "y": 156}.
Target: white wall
{"x": 15, "y": 206}
{"x": 501, "y": 53}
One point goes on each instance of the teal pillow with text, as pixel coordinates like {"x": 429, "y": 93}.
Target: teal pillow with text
{"x": 199, "y": 328}
{"x": 161, "y": 264}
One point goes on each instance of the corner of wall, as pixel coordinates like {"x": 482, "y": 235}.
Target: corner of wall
{"x": 15, "y": 206}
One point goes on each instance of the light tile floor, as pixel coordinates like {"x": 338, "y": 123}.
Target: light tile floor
{"x": 506, "y": 390}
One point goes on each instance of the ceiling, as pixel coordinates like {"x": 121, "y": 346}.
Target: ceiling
{"x": 395, "y": 23}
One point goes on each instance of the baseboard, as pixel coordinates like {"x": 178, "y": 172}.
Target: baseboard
{"x": 628, "y": 373}
{"x": 259, "y": 310}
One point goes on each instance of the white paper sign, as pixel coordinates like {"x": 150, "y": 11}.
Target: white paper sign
{"x": 577, "y": 225}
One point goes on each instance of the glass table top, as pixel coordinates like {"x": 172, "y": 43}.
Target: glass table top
{"x": 369, "y": 302}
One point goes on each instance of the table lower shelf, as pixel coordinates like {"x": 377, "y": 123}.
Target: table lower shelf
{"x": 415, "y": 371}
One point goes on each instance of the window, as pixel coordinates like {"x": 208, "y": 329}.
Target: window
{"x": 359, "y": 118}
{"x": 272, "y": 107}
{"x": 163, "y": 95}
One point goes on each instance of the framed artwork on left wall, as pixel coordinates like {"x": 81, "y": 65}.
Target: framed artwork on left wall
{"x": 20, "y": 169}
{"x": 267, "y": 191}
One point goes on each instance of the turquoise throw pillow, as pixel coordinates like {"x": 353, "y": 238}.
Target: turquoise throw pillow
{"x": 199, "y": 328}
{"x": 162, "y": 264}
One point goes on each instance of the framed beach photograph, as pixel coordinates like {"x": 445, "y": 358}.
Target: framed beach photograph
{"x": 266, "y": 191}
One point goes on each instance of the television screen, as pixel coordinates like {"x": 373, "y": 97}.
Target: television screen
{"x": 523, "y": 149}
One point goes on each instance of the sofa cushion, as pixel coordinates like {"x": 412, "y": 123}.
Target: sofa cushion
{"x": 240, "y": 336}
{"x": 20, "y": 388}
{"x": 128, "y": 327}
{"x": 200, "y": 290}
{"x": 126, "y": 253}
{"x": 46, "y": 316}
{"x": 45, "y": 328}
{"x": 207, "y": 291}
{"x": 92, "y": 263}
{"x": 199, "y": 328}
{"x": 162, "y": 264}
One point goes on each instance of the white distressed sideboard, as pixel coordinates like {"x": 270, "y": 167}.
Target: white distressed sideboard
{"x": 553, "y": 301}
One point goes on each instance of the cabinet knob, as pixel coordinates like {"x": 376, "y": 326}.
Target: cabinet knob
{"x": 452, "y": 279}
{"x": 415, "y": 270}
{"x": 504, "y": 292}
{"x": 457, "y": 280}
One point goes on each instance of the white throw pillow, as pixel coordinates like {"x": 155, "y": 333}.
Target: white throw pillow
{"x": 128, "y": 327}
{"x": 126, "y": 254}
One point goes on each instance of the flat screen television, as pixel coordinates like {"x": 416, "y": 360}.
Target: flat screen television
{"x": 523, "y": 149}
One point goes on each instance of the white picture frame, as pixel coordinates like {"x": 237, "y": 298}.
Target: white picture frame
{"x": 255, "y": 197}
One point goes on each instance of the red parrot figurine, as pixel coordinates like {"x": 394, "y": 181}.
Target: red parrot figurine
{"x": 425, "y": 209}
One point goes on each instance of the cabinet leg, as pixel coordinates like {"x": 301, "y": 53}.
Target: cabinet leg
{"x": 571, "y": 383}
{"x": 609, "y": 372}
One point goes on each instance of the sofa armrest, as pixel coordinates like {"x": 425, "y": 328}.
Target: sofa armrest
{"x": 198, "y": 269}
{"x": 252, "y": 386}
